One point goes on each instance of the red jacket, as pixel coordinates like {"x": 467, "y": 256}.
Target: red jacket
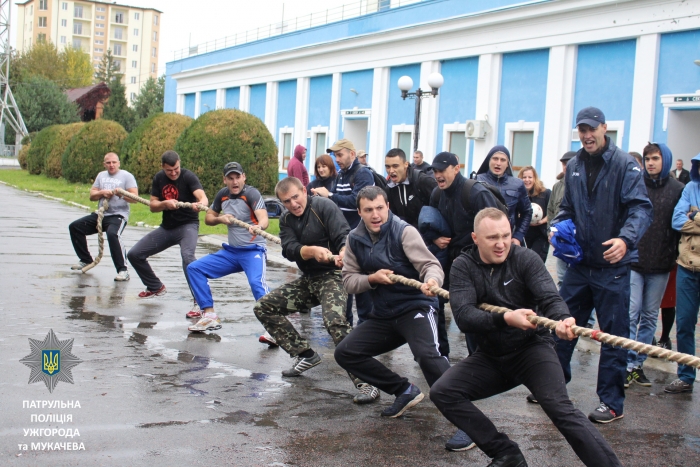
{"x": 296, "y": 167}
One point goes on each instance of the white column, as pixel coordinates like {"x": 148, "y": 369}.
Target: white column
{"x": 646, "y": 64}
{"x": 377, "y": 122}
{"x": 301, "y": 114}
{"x": 244, "y": 98}
{"x": 488, "y": 99}
{"x": 271, "y": 107}
{"x": 429, "y": 113}
{"x": 220, "y": 98}
{"x": 558, "y": 114}
{"x": 335, "y": 110}
{"x": 180, "y": 104}
{"x": 197, "y": 103}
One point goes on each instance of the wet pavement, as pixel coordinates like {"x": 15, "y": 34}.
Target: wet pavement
{"x": 153, "y": 394}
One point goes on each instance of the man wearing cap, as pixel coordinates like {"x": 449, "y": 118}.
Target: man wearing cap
{"x": 553, "y": 208}
{"x": 352, "y": 177}
{"x": 245, "y": 250}
{"x": 605, "y": 197}
{"x": 496, "y": 171}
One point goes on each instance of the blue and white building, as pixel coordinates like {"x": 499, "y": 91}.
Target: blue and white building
{"x": 523, "y": 67}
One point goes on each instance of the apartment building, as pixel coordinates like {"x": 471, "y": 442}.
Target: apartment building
{"x": 132, "y": 33}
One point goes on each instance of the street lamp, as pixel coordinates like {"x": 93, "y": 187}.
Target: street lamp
{"x": 435, "y": 80}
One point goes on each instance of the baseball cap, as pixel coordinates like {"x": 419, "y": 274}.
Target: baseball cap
{"x": 567, "y": 156}
{"x": 444, "y": 160}
{"x": 233, "y": 167}
{"x": 590, "y": 116}
{"x": 341, "y": 144}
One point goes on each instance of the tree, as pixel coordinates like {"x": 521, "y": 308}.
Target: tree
{"x": 108, "y": 69}
{"x": 70, "y": 68}
{"x": 150, "y": 98}
{"x": 116, "y": 108}
{"x": 76, "y": 67}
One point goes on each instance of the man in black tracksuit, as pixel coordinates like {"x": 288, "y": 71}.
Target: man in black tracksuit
{"x": 510, "y": 350}
{"x": 409, "y": 189}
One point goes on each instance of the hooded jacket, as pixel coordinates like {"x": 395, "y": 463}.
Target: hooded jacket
{"x": 618, "y": 206}
{"x": 406, "y": 199}
{"x": 689, "y": 245}
{"x": 296, "y": 167}
{"x": 658, "y": 248}
{"x": 513, "y": 191}
{"x": 521, "y": 281}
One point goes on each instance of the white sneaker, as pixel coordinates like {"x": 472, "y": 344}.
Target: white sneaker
{"x": 209, "y": 322}
{"x": 268, "y": 339}
{"x": 367, "y": 394}
{"x": 79, "y": 266}
{"x": 122, "y": 276}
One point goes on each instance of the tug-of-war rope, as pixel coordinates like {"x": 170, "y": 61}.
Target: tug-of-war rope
{"x": 100, "y": 238}
{"x": 605, "y": 338}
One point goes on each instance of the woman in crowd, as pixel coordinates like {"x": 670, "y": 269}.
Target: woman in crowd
{"x": 536, "y": 237}
{"x": 325, "y": 174}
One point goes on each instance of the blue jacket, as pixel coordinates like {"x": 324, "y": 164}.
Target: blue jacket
{"x": 513, "y": 191}
{"x": 347, "y": 186}
{"x": 689, "y": 245}
{"x": 619, "y": 206}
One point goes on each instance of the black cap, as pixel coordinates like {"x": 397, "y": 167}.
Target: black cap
{"x": 444, "y": 160}
{"x": 567, "y": 156}
{"x": 590, "y": 116}
{"x": 233, "y": 167}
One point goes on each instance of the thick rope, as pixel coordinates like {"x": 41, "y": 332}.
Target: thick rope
{"x": 239, "y": 223}
{"x": 605, "y": 338}
{"x": 100, "y": 237}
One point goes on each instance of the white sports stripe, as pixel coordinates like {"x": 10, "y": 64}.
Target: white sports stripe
{"x": 122, "y": 226}
{"x": 263, "y": 282}
{"x": 433, "y": 326}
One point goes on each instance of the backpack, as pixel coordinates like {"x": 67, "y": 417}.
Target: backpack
{"x": 378, "y": 179}
{"x": 466, "y": 194}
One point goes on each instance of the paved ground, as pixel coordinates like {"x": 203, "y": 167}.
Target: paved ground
{"x": 153, "y": 394}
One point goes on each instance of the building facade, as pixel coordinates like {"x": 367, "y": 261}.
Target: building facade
{"x": 519, "y": 69}
{"x": 131, "y": 33}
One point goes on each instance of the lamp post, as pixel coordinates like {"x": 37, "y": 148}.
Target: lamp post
{"x": 435, "y": 80}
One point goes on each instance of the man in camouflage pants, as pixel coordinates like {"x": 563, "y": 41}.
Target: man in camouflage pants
{"x": 312, "y": 231}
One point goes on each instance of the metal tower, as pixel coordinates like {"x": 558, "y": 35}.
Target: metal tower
{"x": 9, "y": 113}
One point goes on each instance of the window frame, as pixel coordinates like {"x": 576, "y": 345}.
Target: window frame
{"x": 280, "y": 153}
{"x": 522, "y": 126}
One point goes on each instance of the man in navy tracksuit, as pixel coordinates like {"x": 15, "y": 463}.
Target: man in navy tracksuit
{"x": 606, "y": 199}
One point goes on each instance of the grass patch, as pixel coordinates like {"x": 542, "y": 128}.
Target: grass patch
{"x": 80, "y": 193}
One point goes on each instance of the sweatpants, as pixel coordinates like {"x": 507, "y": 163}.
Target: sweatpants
{"x": 302, "y": 294}
{"x": 418, "y": 328}
{"x": 536, "y": 366}
{"x": 229, "y": 260}
{"x": 113, "y": 226}
{"x": 160, "y": 240}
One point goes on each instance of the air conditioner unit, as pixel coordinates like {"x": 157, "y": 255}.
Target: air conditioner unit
{"x": 477, "y": 129}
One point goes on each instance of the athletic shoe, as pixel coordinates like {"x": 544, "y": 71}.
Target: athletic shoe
{"x": 665, "y": 344}
{"x": 268, "y": 339}
{"x": 79, "y": 266}
{"x": 531, "y": 399}
{"x": 509, "y": 460}
{"x": 194, "y": 313}
{"x": 460, "y": 442}
{"x": 158, "y": 293}
{"x": 629, "y": 378}
{"x": 367, "y": 395}
{"x": 678, "y": 387}
{"x": 122, "y": 276}
{"x": 302, "y": 364}
{"x": 209, "y": 322}
{"x": 637, "y": 376}
{"x": 604, "y": 414}
{"x": 404, "y": 402}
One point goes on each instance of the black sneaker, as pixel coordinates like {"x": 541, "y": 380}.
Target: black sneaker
{"x": 638, "y": 377}
{"x": 460, "y": 442}
{"x": 629, "y": 379}
{"x": 531, "y": 399}
{"x": 604, "y": 414}
{"x": 403, "y": 403}
{"x": 665, "y": 344}
{"x": 302, "y": 364}
{"x": 510, "y": 460}
{"x": 678, "y": 387}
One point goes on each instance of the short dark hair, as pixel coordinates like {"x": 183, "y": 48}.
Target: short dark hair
{"x": 639, "y": 157}
{"x": 170, "y": 158}
{"x": 396, "y": 152}
{"x": 418, "y": 152}
{"x": 371, "y": 193}
{"x": 284, "y": 185}
{"x": 650, "y": 148}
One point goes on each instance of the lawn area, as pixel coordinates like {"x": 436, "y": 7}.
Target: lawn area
{"x": 80, "y": 193}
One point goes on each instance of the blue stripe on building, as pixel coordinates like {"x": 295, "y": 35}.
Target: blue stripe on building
{"x": 233, "y": 98}
{"x": 257, "y": 100}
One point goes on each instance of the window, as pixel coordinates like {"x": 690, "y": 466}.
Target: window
{"x": 64, "y": 23}
{"x": 31, "y": 26}
{"x": 117, "y": 49}
{"x": 31, "y": 9}
{"x": 117, "y": 33}
{"x": 458, "y": 146}
{"x": 155, "y": 36}
{"x": 99, "y": 33}
{"x": 43, "y": 4}
{"x": 78, "y": 11}
{"x": 134, "y": 64}
{"x": 100, "y": 17}
{"x": 612, "y": 135}
{"x": 119, "y": 18}
{"x": 155, "y": 20}
{"x": 41, "y": 37}
{"x": 98, "y": 50}
{"x": 99, "y": 42}
{"x": 132, "y": 96}
{"x": 118, "y": 64}
{"x": 42, "y": 21}
{"x": 63, "y": 39}
{"x": 154, "y": 52}
{"x": 320, "y": 144}
{"x": 522, "y": 149}
{"x": 136, "y": 32}
{"x": 100, "y": 8}
{"x": 286, "y": 149}
{"x": 153, "y": 67}
{"x": 135, "y": 48}
{"x": 64, "y": 6}
{"x": 137, "y": 15}
{"x": 77, "y": 28}
{"x": 99, "y": 25}
{"x": 133, "y": 80}
{"x": 404, "y": 142}
{"x": 77, "y": 44}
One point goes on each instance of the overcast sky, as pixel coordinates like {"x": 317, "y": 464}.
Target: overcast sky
{"x": 186, "y": 22}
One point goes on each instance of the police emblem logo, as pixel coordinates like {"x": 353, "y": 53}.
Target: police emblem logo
{"x": 51, "y": 361}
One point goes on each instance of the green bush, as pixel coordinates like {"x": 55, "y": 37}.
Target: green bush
{"x": 40, "y": 147}
{"x": 141, "y": 151}
{"x": 54, "y": 153}
{"x": 22, "y": 155}
{"x": 83, "y": 158}
{"x": 222, "y": 136}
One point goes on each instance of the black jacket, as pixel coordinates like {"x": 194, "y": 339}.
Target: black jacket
{"x": 521, "y": 281}
{"x": 321, "y": 224}
{"x": 328, "y": 183}
{"x": 408, "y": 198}
{"x": 684, "y": 178}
